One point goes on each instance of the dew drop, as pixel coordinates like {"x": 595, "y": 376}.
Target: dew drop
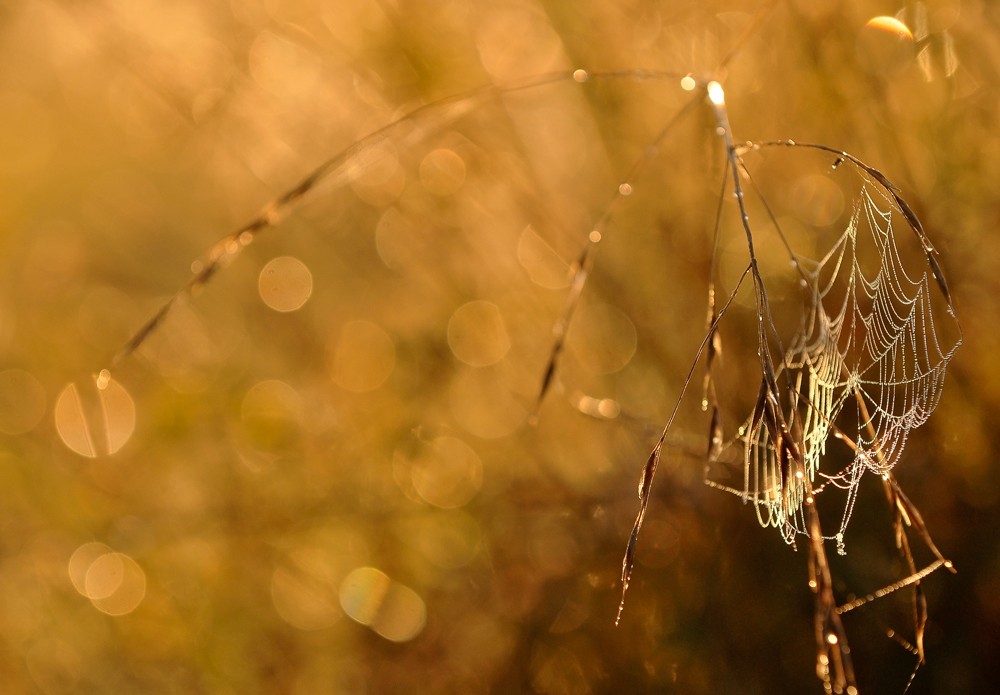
{"x": 885, "y": 46}
{"x": 128, "y": 592}
{"x": 609, "y": 408}
{"x": 80, "y": 562}
{"x": 361, "y": 593}
{"x": 476, "y": 334}
{"x": 104, "y": 576}
{"x": 715, "y": 93}
{"x": 94, "y": 420}
{"x": 285, "y": 284}
{"x": 402, "y": 614}
{"x": 448, "y": 474}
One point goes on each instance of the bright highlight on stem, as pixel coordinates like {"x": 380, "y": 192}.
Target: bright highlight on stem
{"x": 716, "y": 94}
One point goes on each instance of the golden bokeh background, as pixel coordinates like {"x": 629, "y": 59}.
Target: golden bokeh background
{"x": 319, "y": 475}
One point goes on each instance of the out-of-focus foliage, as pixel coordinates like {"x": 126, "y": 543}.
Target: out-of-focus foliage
{"x": 322, "y": 476}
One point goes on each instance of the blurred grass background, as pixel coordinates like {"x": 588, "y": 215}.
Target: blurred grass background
{"x": 331, "y": 486}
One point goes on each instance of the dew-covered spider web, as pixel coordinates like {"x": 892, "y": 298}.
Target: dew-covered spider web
{"x": 866, "y": 365}
{"x": 858, "y": 364}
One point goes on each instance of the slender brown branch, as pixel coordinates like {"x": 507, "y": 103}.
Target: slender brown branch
{"x": 649, "y": 470}
{"x": 581, "y": 267}
{"x": 347, "y": 163}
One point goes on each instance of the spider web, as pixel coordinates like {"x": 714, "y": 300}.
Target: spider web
{"x": 867, "y": 366}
